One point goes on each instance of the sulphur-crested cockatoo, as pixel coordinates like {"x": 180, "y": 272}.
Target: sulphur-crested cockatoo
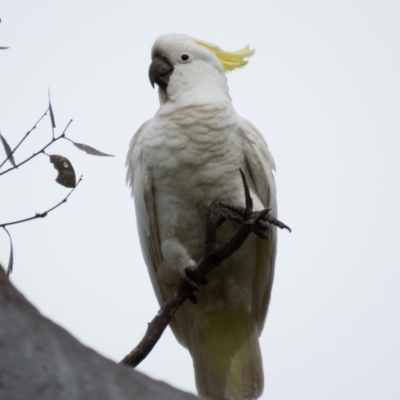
{"x": 189, "y": 154}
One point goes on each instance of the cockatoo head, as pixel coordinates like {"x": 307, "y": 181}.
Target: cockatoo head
{"x": 182, "y": 64}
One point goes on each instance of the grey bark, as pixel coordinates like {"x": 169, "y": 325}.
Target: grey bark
{"x": 41, "y": 361}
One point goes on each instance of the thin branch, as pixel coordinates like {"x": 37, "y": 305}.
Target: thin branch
{"x": 40, "y": 151}
{"x": 214, "y": 254}
{"x": 43, "y": 214}
{"x": 23, "y": 139}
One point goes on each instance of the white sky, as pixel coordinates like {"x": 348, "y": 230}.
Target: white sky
{"x": 323, "y": 87}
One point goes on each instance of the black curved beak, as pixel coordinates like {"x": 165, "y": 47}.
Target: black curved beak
{"x": 159, "y": 72}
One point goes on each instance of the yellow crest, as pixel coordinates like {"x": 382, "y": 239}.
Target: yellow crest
{"x": 229, "y": 59}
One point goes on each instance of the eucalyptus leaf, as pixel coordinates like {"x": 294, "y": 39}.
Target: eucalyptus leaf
{"x": 11, "y": 258}
{"x": 90, "y": 150}
{"x": 53, "y": 122}
{"x": 66, "y": 173}
{"x": 8, "y": 150}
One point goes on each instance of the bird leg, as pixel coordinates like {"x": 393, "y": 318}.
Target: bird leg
{"x": 218, "y": 213}
{"x": 241, "y": 215}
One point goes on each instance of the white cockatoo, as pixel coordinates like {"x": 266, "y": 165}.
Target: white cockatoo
{"x": 188, "y": 155}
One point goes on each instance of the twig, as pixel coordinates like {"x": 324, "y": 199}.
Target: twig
{"x": 43, "y": 214}
{"x": 23, "y": 139}
{"x": 214, "y": 254}
{"x": 54, "y": 139}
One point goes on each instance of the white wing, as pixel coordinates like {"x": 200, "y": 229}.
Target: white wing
{"x": 140, "y": 179}
{"x": 260, "y": 165}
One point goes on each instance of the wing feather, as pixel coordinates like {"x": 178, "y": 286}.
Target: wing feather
{"x": 141, "y": 182}
{"x": 140, "y": 179}
{"x": 260, "y": 165}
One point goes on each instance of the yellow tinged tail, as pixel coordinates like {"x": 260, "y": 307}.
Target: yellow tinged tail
{"x": 227, "y": 357}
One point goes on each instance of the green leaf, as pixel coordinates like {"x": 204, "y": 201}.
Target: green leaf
{"x": 8, "y": 150}
{"x": 11, "y": 258}
{"x": 90, "y": 150}
{"x": 53, "y": 122}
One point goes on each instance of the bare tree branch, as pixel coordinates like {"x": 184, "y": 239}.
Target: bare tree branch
{"x": 54, "y": 139}
{"x": 23, "y": 139}
{"x": 44, "y": 213}
{"x": 214, "y": 254}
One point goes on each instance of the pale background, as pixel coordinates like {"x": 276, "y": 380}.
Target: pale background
{"x": 323, "y": 87}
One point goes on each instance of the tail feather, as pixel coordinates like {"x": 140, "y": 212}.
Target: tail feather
{"x": 227, "y": 357}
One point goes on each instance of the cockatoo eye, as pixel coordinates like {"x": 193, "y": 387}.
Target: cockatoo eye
{"x": 185, "y": 58}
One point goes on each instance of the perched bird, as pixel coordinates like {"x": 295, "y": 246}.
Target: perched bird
{"x": 188, "y": 155}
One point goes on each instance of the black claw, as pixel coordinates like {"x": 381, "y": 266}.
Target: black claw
{"x": 263, "y": 225}
{"x": 261, "y": 234}
{"x": 191, "y": 277}
{"x": 261, "y": 228}
{"x": 193, "y": 298}
{"x": 280, "y": 224}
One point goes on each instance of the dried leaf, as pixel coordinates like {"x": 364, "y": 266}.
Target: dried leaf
{"x": 53, "y": 122}
{"x": 90, "y": 150}
{"x": 11, "y": 258}
{"x": 7, "y": 149}
{"x": 66, "y": 173}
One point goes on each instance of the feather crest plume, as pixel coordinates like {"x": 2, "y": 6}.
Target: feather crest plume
{"x": 230, "y": 60}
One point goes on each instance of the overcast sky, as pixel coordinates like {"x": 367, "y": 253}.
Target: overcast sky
{"x": 323, "y": 87}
